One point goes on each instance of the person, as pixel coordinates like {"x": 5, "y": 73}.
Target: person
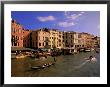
{"x": 54, "y": 59}
{"x": 90, "y": 58}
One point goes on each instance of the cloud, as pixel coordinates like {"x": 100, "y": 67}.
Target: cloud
{"x": 69, "y": 18}
{"x": 72, "y": 16}
{"x": 66, "y": 24}
{"x": 44, "y": 19}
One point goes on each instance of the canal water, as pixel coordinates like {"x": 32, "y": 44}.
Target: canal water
{"x": 65, "y": 66}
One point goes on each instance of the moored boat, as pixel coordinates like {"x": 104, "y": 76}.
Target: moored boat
{"x": 20, "y": 56}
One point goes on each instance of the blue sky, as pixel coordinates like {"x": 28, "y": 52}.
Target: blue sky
{"x": 79, "y": 21}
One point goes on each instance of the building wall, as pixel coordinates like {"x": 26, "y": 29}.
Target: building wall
{"x": 26, "y": 38}
{"x": 40, "y": 39}
{"x": 34, "y": 39}
{"x": 56, "y": 39}
{"x": 68, "y": 38}
{"x": 19, "y": 36}
{"x": 53, "y": 38}
{"x": 16, "y": 34}
{"x": 46, "y": 38}
{"x": 60, "y": 39}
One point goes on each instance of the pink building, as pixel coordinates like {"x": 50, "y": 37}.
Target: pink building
{"x": 19, "y": 36}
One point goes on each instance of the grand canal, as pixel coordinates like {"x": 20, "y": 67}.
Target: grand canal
{"x": 65, "y": 66}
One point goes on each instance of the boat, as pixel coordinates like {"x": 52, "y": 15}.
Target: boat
{"x": 41, "y": 67}
{"x": 36, "y": 67}
{"x": 92, "y": 59}
{"x": 97, "y": 51}
{"x": 20, "y": 56}
{"x": 87, "y": 50}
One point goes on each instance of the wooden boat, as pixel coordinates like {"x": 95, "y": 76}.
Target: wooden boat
{"x": 36, "y": 67}
{"x": 42, "y": 67}
{"x": 20, "y": 56}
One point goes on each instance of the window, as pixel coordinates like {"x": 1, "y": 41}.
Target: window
{"x": 18, "y": 44}
{"x": 60, "y": 36}
{"x": 66, "y": 36}
{"x": 43, "y": 44}
{"x": 16, "y": 37}
{"x": 13, "y": 30}
{"x": 71, "y": 36}
{"x": 15, "y": 44}
{"x": 59, "y": 40}
{"x": 66, "y": 41}
{"x": 36, "y": 37}
{"x": 33, "y": 43}
{"x": 39, "y": 44}
{"x": 36, "y": 44}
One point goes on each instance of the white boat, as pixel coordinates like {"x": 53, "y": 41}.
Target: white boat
{"x": 93, "y": 59}
{"x": 87, "y": 50}
{"x": 20, "y": 56}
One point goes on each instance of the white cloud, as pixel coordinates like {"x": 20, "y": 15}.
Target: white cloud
{"x": 72, "y": 16}
{"x": 44, "y": 19}
{"x": 66, "y": 24}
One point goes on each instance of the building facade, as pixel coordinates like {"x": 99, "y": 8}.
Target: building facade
{"x": 19, "y": 36}
{"x": 16, "y": 34}
{"x": 70, "y": 41}
{"x": 56, "y": 39}
{"x": 51, "y": 38}
{"x": 40, "y": 38}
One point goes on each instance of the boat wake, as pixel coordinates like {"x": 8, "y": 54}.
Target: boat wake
{"x": 82, "y": 64}
{"x": 77, "y": 67}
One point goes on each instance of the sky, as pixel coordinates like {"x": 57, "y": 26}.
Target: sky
{"x": 78, "y": 21}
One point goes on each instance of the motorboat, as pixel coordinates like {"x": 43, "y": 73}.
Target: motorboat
{"x": 92, "y": 59}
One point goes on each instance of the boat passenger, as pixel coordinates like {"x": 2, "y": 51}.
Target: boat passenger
{"x": 90, "y": 57}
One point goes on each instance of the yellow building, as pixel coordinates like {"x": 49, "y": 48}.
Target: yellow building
{"x": 55, "y": 39}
